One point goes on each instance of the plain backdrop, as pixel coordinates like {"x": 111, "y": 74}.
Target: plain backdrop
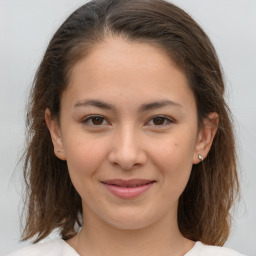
{"x": 26, "y": 27}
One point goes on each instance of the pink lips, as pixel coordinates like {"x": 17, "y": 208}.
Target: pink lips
{"x": 128, "y": 188}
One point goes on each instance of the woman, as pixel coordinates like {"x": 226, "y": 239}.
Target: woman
{"x": 131, "y": 148}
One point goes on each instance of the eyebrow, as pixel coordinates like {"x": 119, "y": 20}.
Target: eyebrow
{"x": 143, "y": 108}
{"x": 94, "y": 103}
{"x": 158, "y": 104}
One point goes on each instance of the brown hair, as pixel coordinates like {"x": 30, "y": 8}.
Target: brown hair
{"x": 52, "y": 202}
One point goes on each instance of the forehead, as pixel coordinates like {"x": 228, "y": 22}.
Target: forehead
{"x": 119, "y": 67}
{"x": 119, "y": 53}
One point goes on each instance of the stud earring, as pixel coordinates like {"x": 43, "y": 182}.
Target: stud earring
{"x": 59, "y": 151}
{"x": 200, "y": 157}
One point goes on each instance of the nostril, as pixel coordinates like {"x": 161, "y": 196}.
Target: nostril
{"x": 127, "y": 157}
{"x": 125, "y": 166}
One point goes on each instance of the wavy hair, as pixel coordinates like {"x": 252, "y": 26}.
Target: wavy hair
{"x": 51, "y": 200}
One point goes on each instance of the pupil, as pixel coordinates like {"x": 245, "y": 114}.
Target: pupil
{"x": 97, "y": 120}
{"x": 158, "y": 120}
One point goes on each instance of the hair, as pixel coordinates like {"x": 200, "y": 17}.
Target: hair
{"x": 51, "y": 200}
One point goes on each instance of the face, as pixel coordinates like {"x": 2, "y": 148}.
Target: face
{"x": 128, "y": 114}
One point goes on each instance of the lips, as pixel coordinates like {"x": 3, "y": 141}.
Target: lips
{"x": 128, "y": 189}
{"x": 128, "y": 183}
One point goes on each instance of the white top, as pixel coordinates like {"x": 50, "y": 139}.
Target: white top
{"x": 60, "y": 248}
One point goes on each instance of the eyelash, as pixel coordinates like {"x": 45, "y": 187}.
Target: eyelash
{"x": 88, "y": 120}
{"x": 164, "y": 118}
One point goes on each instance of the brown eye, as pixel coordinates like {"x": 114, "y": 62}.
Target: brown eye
{"x": 161, "y": 121}
{"x": 94, "y": 121}
{"x": 158, "y": 120}
{"x": 97, "y": 120}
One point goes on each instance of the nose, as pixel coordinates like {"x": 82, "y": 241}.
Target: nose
{"x": 127, "y": 149}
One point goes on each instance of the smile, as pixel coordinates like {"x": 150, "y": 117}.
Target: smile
{"x": 128, "y": 188}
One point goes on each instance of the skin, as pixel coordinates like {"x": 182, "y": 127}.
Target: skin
{"x": 126, "y": 142}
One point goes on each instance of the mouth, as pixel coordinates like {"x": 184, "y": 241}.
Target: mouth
{"x": 128, "y": 188}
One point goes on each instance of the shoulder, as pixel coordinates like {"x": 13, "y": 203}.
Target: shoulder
{"x": 201, "y": 249}
{"x": 56, "y": 247}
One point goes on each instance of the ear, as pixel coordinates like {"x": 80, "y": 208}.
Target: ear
{"x": 54, "y": 129}
{"x": 206, "y": 136}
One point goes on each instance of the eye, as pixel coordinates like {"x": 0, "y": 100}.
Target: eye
{"x": 95, "y": 120}
{"x": 160, "y": 121}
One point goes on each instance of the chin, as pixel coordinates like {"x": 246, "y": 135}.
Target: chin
{"x": 130, "y": 225}
{"x": 133, "y": 221}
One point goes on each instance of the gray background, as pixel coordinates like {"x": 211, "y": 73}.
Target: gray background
{"x": 26, "y": 27}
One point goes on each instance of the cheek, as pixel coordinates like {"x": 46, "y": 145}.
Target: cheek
{"x": 174, "y": 150}
{"x": 84, "y": 156}
{"x": 173, "y": 157}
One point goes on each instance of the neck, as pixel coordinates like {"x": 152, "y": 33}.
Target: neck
{"x": 162, "y": 238}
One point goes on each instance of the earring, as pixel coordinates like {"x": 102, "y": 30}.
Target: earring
{"x": 200, "y": 157}
{"x": 59, "y": 151}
